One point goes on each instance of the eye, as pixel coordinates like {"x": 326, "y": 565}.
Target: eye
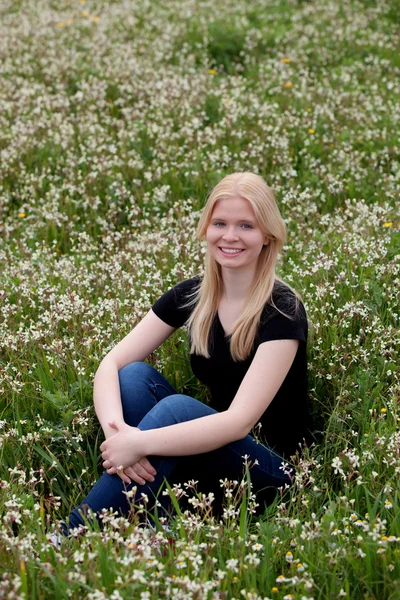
{"x": 219, "y": 223}
{"x": 247, "y": 226}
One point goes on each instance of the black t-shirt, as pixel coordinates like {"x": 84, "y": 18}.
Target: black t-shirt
{"x": 286, "y": 422}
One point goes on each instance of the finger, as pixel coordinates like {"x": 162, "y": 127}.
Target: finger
{"x": 124, "y": 477}
{"x": 130, "y": 471}
{"x": 148, "y": 466}
{"x": 141, "y": 472}
{"x": 108, "y": 465}
{"x": 134, "y": 476}
{"x": 138, "y": 479}
{"x": 112, "y": 471}
{"x": 121, "y": 474}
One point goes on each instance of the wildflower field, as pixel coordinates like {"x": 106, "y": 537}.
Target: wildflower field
{"x": 116, "y": 120}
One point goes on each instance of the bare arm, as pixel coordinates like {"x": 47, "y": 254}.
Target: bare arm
{"x": 262, "y": 381}
{"x": 148, "y": 335}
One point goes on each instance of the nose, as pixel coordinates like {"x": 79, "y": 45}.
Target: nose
{"x": 230, "y": 234}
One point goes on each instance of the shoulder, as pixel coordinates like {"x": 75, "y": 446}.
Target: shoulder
{"x": 185, "y": 290}
{"x": 283, "y": 316}
{"x": 284, "y": 299}
{"x": 175, "y": 305}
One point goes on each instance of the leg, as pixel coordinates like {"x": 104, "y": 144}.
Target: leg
{"x": 226, "y": 462}
{"x": 141, "y": 388}
{"x": 108, "y": 492}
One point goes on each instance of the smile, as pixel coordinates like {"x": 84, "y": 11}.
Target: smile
{"x": 231, "y": 250}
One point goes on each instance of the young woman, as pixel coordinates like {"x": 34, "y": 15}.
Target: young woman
{"x": 248, "y": 334}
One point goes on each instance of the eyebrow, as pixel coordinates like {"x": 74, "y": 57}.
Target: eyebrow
{"x": 217, "y": 218}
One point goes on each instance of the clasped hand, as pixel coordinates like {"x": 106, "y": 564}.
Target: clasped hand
{"x": 121, "y": 454}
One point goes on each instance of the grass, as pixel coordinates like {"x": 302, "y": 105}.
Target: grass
{"x": 117, "y": 119}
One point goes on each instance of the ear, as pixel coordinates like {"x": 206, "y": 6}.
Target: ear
{"x": 266, "y": 241}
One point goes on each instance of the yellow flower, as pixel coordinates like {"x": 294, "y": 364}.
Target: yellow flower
{"x": 286, "y": 60}
{"x": 212, "y": 71}
{"x": 332, "y": 145}
{"x": 96, "y": 18}
{"x": 388, "y": 224}
{"x": 21, "y": 215}
{"x": 383, "y": 410}
{"x": 85, "y": 13}
{"x": 274, "y": 590}
{"x": 68, "y": 21}
{"x": 234, "y": 578}
{"x": 61, "y": 24}
{"x": 311, "y": 131}
{"x": 288, "y": 84}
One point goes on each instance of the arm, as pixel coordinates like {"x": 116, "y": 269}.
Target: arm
{"x": 148, "y": 335}
{"x": 263, "y": 379}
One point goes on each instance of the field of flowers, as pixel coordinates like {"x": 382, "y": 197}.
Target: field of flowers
{"x": 116, "y": 119}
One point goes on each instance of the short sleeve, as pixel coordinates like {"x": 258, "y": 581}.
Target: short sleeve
{"x": 292, "y": 325}
{"x": 172, "y": 307}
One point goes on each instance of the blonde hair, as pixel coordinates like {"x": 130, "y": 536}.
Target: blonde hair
{"x": 206, "y": 299}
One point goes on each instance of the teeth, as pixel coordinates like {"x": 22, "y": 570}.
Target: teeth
{"x": 230, "y": 250}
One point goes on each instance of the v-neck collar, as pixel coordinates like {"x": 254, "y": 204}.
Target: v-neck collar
{"x": 227, "y": 336}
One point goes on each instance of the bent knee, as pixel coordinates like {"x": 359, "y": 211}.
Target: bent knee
{"x": 174, "y": 402}
{"x": 183, "y": 408}
{"x": 133, "y": 371}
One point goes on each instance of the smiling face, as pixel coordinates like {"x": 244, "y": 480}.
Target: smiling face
{"x": 233, "y": 235}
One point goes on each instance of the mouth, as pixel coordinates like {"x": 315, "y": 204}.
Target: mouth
{"x": 231, "y": 251}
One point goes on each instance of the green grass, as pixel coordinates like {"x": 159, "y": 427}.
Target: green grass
{"x": 117, "y": 119}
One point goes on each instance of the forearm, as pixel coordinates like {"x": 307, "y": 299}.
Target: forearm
{"x": 194, "y": 437}
{"x": 106, "y": 396}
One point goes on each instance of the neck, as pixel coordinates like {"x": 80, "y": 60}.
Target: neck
{"x": 236, "y": 283}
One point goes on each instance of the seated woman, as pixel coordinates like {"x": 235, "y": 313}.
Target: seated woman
{"x": 248, "y": 334}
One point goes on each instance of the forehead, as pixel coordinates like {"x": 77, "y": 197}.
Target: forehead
{"x": 235, "y": 207}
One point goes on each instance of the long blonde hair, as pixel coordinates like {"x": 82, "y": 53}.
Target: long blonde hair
{"x": 252, "y": 188}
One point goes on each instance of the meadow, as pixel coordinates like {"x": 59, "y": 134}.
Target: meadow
{"x": 116, "y": 120}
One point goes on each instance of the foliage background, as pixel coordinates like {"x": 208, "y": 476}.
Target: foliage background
{"x": 116, "y": 120}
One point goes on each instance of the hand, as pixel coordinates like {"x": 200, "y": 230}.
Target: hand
{"x": 122, "y": 450}
{"x": 141, "y": 472}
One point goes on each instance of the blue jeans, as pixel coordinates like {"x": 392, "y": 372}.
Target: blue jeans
{"x": 150, "y": 402}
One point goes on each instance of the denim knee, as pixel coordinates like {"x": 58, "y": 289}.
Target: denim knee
{"x": 177, "y": 408}
{"x": 134, "y": 371}
{"x": 137, "y": 391}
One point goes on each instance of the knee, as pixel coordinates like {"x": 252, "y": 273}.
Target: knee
{"x": 175, "y": 408}
{"x": 174, "y": 402}
{"x": 169, "y": 410}
{"x": 133, "y": 372}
